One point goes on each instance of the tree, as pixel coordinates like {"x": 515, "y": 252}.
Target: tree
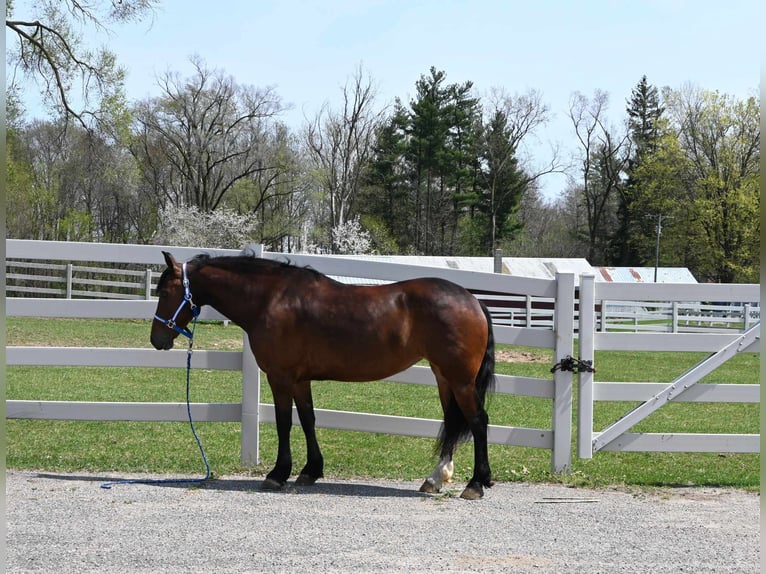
{"x": 73, "y": 184}
{"x": 645, "y": 125}
{"x": 20, "y": 201}
{"x": 340, "y": 145}
{"x": 720, "y": 138}
{"x": 385, "y": 195}
{"x": 187, "y": 225}
{"x": 427, "y": 140}
{"x": 659, "y": 188}
{"x": 603, "y": 159}
{"x": 350, "y": 238}
{"x": 509, "y": 121}
{"x": 277, "y": 196}
{"x": 202, "y": 136}
{"x": 503, "y": 183}
{"x": 47, "y": 47}
{"x": 550, "y": 228}
{"x": 644, "y": 120}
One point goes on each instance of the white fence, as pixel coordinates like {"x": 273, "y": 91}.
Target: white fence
{"x": 32, "y": 278}
{"x": 559, "y": 336}
{"x": 250, "y": 411}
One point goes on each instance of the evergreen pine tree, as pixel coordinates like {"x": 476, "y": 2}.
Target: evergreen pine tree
{"x": 644, "y": 124}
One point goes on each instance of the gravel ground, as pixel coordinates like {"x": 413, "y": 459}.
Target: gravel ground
{"x": 63, "y": 523}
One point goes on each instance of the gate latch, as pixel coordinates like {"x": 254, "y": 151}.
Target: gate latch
{"x": 569, "y": 363}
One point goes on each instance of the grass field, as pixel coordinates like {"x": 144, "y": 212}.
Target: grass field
{"x": 170, "y": 448}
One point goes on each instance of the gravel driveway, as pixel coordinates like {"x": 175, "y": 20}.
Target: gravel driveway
{"x": 63, "y": 523}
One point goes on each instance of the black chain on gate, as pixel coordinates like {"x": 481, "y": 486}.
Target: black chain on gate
{"x": 569, "y": 363}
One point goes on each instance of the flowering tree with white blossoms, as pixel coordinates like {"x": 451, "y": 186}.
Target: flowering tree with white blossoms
{"x": 350, "y": 239}
{"x": 190, "y": 227}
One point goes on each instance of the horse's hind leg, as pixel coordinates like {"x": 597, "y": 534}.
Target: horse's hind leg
{"x": 482, "y": 475}
{"x": 478, "y": 421}
{"x": 441, "y": 475}
{"x": 464, "y": 415}
{"x": 445, "y": 467}
{"x": 314, "y": 468}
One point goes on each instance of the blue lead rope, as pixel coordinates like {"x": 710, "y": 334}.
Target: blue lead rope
{"x": 109, "y": 485}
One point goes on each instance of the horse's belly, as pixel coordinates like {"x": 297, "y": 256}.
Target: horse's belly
{"x": 369, "y": 366}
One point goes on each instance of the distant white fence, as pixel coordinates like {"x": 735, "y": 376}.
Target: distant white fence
{"x": 69, "y": 281}
{"x": 563, "y": 322}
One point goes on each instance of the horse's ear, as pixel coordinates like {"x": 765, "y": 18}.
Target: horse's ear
{"x": 169, "y": 259}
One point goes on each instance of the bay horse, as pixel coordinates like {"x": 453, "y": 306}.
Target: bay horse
{"x": 303, "y": 325}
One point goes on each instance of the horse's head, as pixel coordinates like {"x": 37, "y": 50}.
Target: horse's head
{"x": 175, "y": 308}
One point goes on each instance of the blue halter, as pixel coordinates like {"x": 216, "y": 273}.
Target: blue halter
{"x": 171, "y": 323}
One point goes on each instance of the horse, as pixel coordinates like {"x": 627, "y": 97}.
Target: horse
{"x": 304, "y": 326}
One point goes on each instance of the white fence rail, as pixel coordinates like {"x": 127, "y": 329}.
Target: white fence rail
{"x": 556, "y": 331}
{"x": 26, "y": 278}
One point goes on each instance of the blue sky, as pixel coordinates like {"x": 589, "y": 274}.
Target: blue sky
{"x": 308, "y": 49}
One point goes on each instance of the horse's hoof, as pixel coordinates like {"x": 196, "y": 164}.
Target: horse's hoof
{"x": 271, "y": 484}
{"x": 472, "y": 493}
{"x": 305, "y": 480}
{"x": 429, "y": 487}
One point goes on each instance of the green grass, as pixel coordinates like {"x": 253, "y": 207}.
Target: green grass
{"x": 169, "y": 447}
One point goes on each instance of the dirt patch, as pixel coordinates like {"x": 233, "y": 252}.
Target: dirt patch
{"x": 509, "y": 356}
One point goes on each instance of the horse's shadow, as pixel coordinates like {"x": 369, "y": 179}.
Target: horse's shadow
{"x": 247, "y": 484}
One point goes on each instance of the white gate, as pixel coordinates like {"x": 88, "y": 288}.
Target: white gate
{"x": 653, "y": 396}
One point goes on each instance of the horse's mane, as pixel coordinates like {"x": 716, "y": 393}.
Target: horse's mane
{"x": 251, "y": 264}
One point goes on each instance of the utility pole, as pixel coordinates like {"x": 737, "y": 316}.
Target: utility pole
{"x": 659, "y": 218}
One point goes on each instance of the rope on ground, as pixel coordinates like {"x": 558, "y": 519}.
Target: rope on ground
{"x": 108, "y": 485}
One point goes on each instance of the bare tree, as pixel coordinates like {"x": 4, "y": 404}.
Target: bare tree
{"x": 202, "y": 135}
{"x": 47, "y": 47}
{"x": 339, "y": 144}
{"x": 519, "y": 116}
{"x": 604, "y": 157}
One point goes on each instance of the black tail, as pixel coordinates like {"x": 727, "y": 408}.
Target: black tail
{"x": 456, "y": 428}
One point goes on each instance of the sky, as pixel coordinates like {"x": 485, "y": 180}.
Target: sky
{"x": 307, "y": 50}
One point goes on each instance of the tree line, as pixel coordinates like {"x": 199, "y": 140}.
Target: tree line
{"x": 443, "y": 173}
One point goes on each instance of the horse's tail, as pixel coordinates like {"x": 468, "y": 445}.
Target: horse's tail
{"x": 485, "y": 379}
{"x": 456, "y": 428}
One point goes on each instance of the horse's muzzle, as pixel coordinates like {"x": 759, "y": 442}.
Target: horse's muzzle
{"x": 162, "y": 343}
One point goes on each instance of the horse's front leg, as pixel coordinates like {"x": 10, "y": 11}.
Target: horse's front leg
{"x": 283, "y": 410}
{"x": 314, "y": 468}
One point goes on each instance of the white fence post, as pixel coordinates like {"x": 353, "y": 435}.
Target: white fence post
{"x": 251, "y": 399}
{"x": 253, "y": 249}
{"x": 68, "y": 280}
{"x": 563, "y": 325}
{"x": 251, "y": 390}
{"x": 529, "y": 311}
{"x": 148, "y": 284}
{"x": 586, "y": 329}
